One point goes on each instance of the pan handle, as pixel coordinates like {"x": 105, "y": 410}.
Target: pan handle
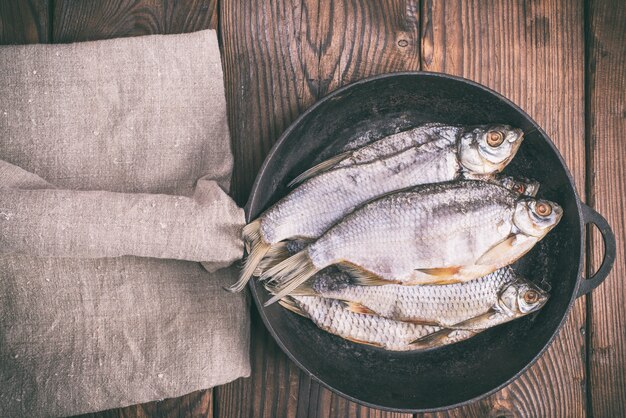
{"x": 590, "y": 216}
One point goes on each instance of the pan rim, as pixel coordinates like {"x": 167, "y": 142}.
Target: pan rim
{"x": 253, "y": 200}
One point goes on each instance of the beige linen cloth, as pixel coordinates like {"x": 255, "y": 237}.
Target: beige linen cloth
{"x": 115, "y": 161}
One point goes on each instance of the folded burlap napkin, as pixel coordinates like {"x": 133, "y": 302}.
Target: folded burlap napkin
{"x": 115, "y": 164}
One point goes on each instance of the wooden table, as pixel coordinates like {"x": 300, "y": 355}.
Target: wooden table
{"x": 564, "y": 62}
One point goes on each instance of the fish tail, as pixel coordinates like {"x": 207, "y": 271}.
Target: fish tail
{"x": 288, "y": 275}
{"x": 258, "y": 250}
{"x": 357, "y": 307}
{"x": 252, "y": 232}
{"x": 290, "y": 304}
{"x": 276, "y": 254}
{"x": 321, "y": 167}
{"x": 305, "y": 289}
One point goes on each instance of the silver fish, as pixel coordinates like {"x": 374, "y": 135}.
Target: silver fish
{"x": 431, "y": 234}
{"x": 440, "y": 305}
{"x": 283, "y": 250}
{"x": 386, "y": 146}
{"x": 318, "y": 203}
{"x": 330, "y": 315}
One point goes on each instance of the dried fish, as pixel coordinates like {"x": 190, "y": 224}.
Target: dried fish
{"x": 384, "y": 147}
{"x": 330, "y": 315}
{"x": 285, "y": 249}
{"x": 431, "y": 234}
{"x": 516, "y": 300}
{"x": 351, "y": 180}
{"x": 440, "y": 305}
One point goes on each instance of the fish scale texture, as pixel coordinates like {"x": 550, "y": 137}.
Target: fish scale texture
{"x": 443, "y": 225}
{"x": 330, "y": 315}
{"x": 310, "y": 209}
{"x": 447, "y": 305}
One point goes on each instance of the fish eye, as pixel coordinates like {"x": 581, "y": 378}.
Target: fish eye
{"x": 531, "y": 296}
{"x": 520, "y": 188}
{"x": 495, "y": 138}
{"x": 543, "y": 209}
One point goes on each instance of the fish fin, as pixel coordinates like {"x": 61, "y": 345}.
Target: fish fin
{"x": 474, "y": 323}
{"x": 507, "y": 251}
{"x": 442, "y": 271}
{"x": 434, "y": 280}
{"x": 357, "y": 308}
{"x": 259, "y": 250}
{"x": 251, "y": 234}
{"x": 277, "y": 272}
{"x": 319, "y": 168}
{"x": 498, "y": 252}
{"x": 304, "y": 290}
{"x": 448, "y": 281}
{"x": 356, "y": 340}
{"x": 364, "y": 277}
{"x": 289, "y": 304}
{"x": 277, "y": 253}
{"x": 252, "y": 231}
{"x": 440, "y": 338}
{"x": 418, "y": 321}
{"x": 289, "y": 274}
{"x": 432, "y": 338}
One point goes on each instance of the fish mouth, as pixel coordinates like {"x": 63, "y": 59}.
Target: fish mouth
{"x": 518, "y": 134}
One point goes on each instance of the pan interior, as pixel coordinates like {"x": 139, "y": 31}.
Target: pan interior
{"x": 460, "y": 372}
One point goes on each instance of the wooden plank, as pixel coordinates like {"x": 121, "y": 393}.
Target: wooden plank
{"x": 279, "y": 57}
{"x": 196, "y": 404}
{"x": 606, "y": 124}
{"x": 533, "y": 53}
{"x": 83, "y": 20}
{"x": 24, "y": 22}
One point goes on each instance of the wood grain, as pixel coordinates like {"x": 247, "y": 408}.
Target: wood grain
{"x": 83, "y": 20}
{"x": 606, "y": 43}
{"x": 24, "y": 22}
{"x": 279, "y": 58}
{"x": 196, "y": 404}
{"x": 533, "y": 53}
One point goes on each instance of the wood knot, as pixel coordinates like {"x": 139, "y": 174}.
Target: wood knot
{"x": 403, "y": 43}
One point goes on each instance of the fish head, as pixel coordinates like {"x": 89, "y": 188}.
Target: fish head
{"x": 487, "y": 149}
{"x": 519, "y": 185}
{"x": 520, "y": 298}
{"x": 536, "y": 217}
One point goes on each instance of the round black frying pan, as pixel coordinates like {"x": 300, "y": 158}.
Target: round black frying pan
{"x": 462, "y": 372}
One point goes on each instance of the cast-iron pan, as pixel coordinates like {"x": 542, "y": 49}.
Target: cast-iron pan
{"x": 462, "y": 372}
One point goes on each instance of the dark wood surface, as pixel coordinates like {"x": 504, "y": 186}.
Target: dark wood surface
{"x": 24, "y": 22}
{"x": 562, "y": 61}
{"x": 606, "y": 124}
